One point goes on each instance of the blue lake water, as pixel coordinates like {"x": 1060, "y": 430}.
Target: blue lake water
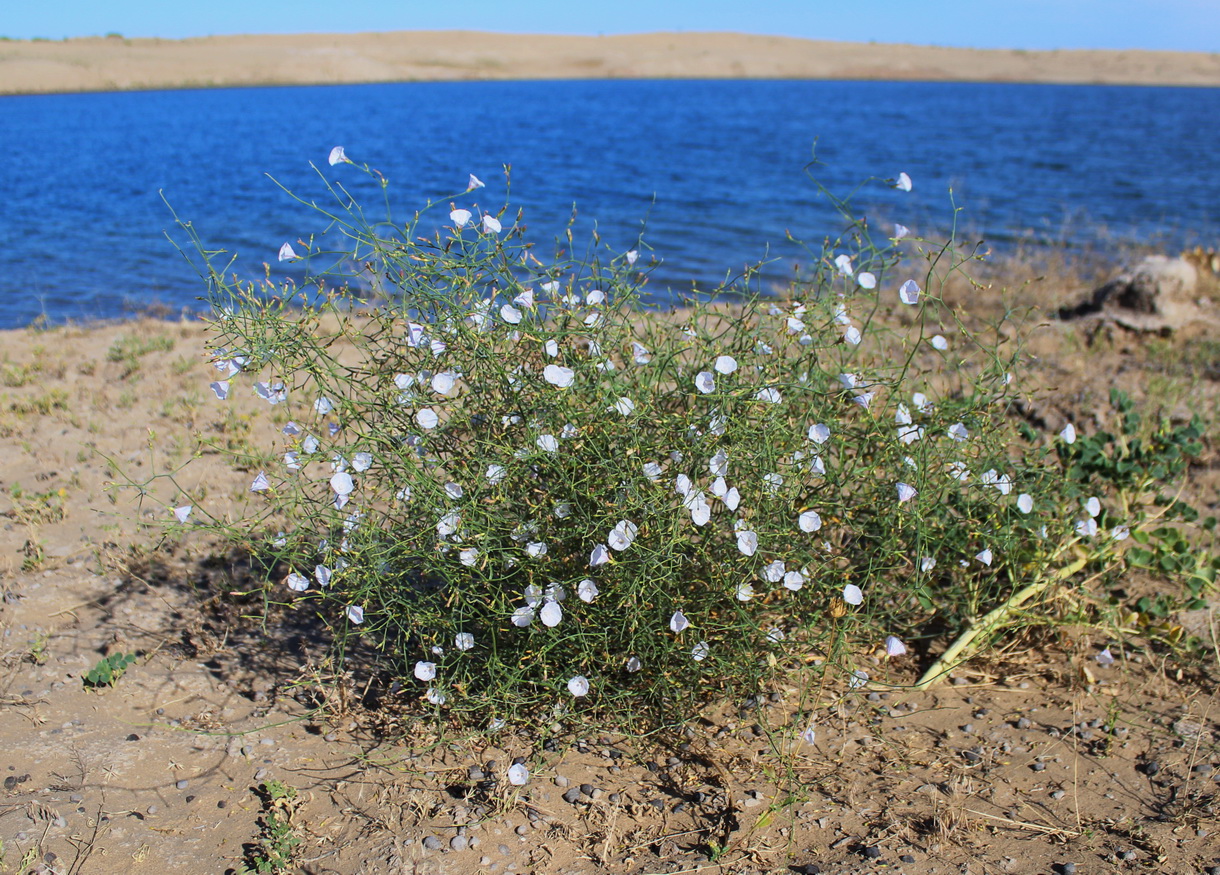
{"x": 715, "y": 167}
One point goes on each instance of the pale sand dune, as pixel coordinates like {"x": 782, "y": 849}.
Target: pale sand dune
{"x": 100, "y": 64}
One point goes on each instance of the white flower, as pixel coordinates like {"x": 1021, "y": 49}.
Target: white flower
{"x": 984, "y": 557}
{"x": 449, "y": 523}
{"x": 463, "y": 641}
{"x": 469, "y": 557}
{"x": 794, "y": 580}
{"x": 495, "y": 473}
{"x": 682, "y": 485}
{"x": 810, "y": 735}
{"x": 595, "y": 297}
{"x": 552, "y": 349}
{"x": 361, "y": 462}
{"x": 652, "y": 471}
{"x": 852, "y": 336}
{"x": 731, "y": 499}
{"x": 719, "y": 464}
{"x": 323, "y": 406}
{"x": 342, "y": 483}
{"x": 795, "y": 326}
{"x": 926, "y": 564}
{"x": 551, "y": 614}
{"x": 297, "y": 582}
{"x": 599, "y": 556}
{"x": 908, "y": 292}
{"x": 852, "y": 594}
{"x": 261, "y": 483}
{"x": 843, "y": 263}
{"x": 622, "y": 535}
{"x": 625, "y": 406}
{"x": 700, "y": 510}
{"x": 1105, "y": 658}
{"x": 443, "y": 383}
{"x": 908, "y": 434}
{"x": 634, "y": 664}
{"x": 639, "y": 353}
{"x": 287, "y": 253}
{"x": 773, "y": 572}
{"x": 1093, "y": 506}
{"x": 893, "y": 646}
{"x": 858, "y": 679}
{"x": 900, "y": 231}
{"x": 700, "y": 651}
{"x": 522, "y": 617}
{"x": 355, "y": 613}
{"x": 1025, "y": 502}
{"x": 181, "y": 514}
{"x": 510, "y": 314}
{"x": 747, "y": 542}
{"x": 631, "y": 256}
{"x": 866, "y": 280}
{"x": 557, "y": 375}
{"x": 547, "y": 443}
{"x": 518, "y": 775}
{"x": 1086, "y": 528}
{"x": 579, "y": 686}
{"x": 903, "y": 183}
{"x": 809, "y": 521}
{"x": 678, "y": 622}
{"x": 1068, "y": 434}
{"x": 768, "y": 395}
{"x": 426, "y": 418}
{"x": 587, "y": 590}
{"x": 338, "y": 156}
{"x": 1120, "y": 533}
{"x": 745, "y": 592}
{"x": 425, "y": 671}
{"x": 491, "y": 225}
{"x": 435, "y": 696}
{"x": 819, "y": 433}
{"x": 863, "y": 399}
{"x": 535, "y": 549}
{"x": 460, "y": 218}
{"x": 473, "y": 183}
{"x": 562, "y": 509}
{"x": 938, "y": 342}
{"x": 705, "y": 382}
{"x": 772, "y": 483}
{"x": 958, "y": 432}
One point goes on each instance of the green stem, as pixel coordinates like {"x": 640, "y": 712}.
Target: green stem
{"x": 964, "y": 647}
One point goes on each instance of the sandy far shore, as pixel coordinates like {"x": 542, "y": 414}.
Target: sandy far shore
{"x": 114, "y": 63}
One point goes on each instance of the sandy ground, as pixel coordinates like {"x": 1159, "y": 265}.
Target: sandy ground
{"x": 1037, "y": 760}
{"x": 103, "y": 64}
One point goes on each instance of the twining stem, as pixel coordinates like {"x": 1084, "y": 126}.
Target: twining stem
{"x": 963, "y": 648}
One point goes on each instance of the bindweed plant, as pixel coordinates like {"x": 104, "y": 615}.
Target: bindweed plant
{"x": 538, "y": 499}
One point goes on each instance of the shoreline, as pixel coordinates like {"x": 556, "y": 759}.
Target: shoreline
{"x": 92, "y": 64}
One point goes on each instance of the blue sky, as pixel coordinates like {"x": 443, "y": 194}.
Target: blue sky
{"x": 1183, "y": 25}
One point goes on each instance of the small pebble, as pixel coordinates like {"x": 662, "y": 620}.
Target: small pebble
{"x": 432, "y": 843}
{"x": 571, "y": 795}
{"x": 152, "y": 809}
{"x": 872, "y": 852}
{"x": 587, "y": 789}
{"x": 260, "y": 774}
{"x": 459, "y": 843}
{"x": 1126, "y": 856}
{"x": 522, "y": 830}
{"x": 1024, "y": 723}
{"x": 1202, "y": 769}
{"x": 1038, "y": 767}
{"x": 1058, "y": 794}
{"x": 561, "y": 781}
{"x": 1067, "y": 868}
{"x": 1152, "y": 768}
{"x": 907, "y": 858}
{"x": 182, "y": 785}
